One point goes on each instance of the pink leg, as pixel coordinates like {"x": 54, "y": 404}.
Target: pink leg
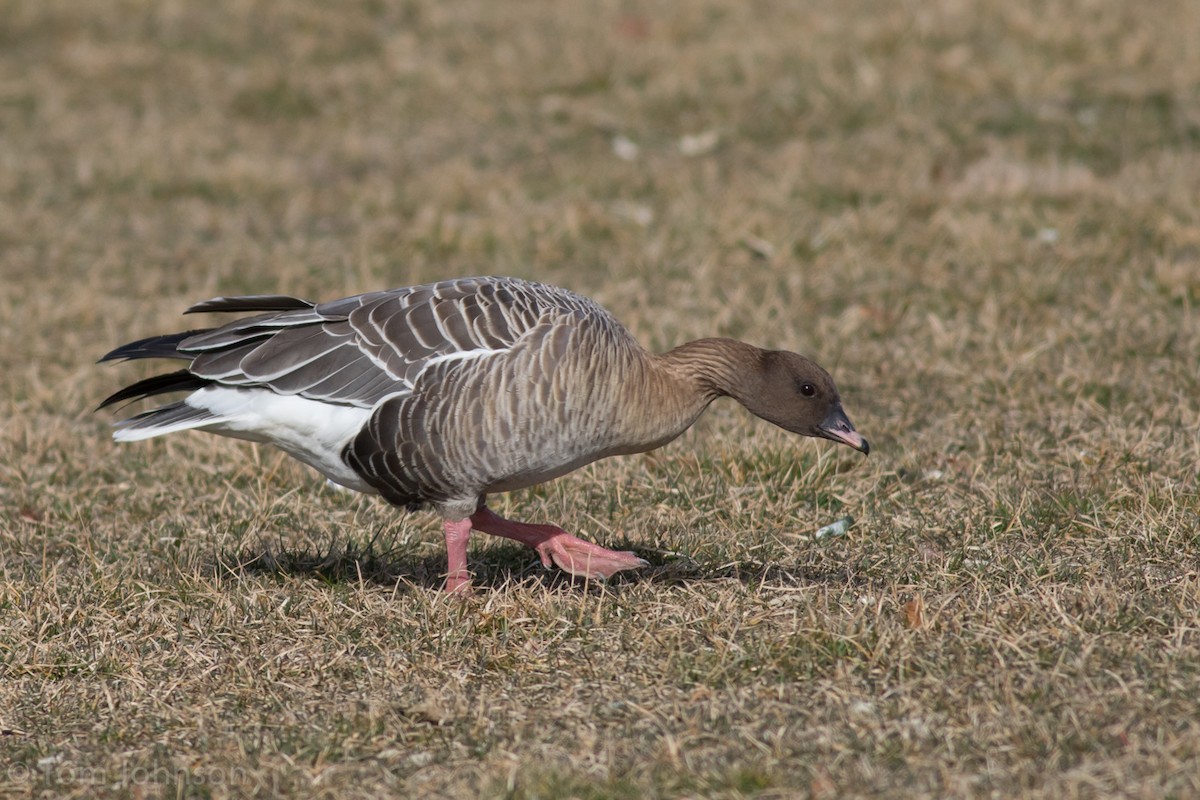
{"x": 554, "y": 544}
{"x": 458, "y": 532}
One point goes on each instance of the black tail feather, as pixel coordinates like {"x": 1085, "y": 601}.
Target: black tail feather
{"x": 167, "y": 346}
{"x": 181, "y": 381}
{"x": 154, "y": 347}
{"x": 257, "y": 302}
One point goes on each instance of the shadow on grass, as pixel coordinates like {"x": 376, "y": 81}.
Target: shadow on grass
{"x": 403, "y": 569}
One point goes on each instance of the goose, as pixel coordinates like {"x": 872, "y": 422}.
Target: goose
{"x": 441, "y": 394}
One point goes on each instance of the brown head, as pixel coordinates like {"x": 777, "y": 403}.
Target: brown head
{"x": 798, "y": 395}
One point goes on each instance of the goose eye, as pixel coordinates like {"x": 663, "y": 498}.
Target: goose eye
{"x": 807, "y": 389}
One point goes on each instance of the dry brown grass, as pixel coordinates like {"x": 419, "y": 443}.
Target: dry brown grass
{"x": 982, "y": 215}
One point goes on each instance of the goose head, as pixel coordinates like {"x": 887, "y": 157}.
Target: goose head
{"x": 796, "y": 394}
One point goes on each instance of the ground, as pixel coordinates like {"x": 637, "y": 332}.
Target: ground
{"x": 981, "y": 215}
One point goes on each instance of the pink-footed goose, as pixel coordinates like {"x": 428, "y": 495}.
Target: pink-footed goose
{"x": 441, "y": 394}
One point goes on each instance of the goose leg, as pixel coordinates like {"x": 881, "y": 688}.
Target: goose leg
{"x": 552, "y": 543}
{"x": 458, "y": 533}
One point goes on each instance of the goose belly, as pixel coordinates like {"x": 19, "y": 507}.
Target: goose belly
{"x": 523, "y": 477}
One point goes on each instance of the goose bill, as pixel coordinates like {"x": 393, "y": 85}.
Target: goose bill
{"x": 837, "y": 428}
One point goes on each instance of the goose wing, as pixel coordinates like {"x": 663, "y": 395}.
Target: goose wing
{"x": 359, "y": 350}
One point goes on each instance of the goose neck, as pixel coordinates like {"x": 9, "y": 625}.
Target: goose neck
{"x": 716, "y": 367}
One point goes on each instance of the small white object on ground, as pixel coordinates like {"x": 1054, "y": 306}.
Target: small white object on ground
{"x": 625, "y": 148}
{"x": 837, "y": 528}
{"x": 699, "y": 144}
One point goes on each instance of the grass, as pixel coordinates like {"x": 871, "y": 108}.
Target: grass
{"x": 982, "y": 217}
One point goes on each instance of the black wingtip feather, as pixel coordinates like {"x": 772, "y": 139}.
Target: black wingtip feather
{"x": 181, "y": 381}
{"x": 257, "y": 302}
{"x": 153, "y": 347}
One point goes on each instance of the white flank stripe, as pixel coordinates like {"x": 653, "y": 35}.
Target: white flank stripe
{"x": 461, "y": 355}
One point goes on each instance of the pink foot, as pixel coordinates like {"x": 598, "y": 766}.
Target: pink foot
{"x": 553, "y": 544}
{"x": 585, "y": 559}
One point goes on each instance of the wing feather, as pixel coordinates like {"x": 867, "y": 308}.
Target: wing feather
{"x": 254, "y": 302}
{"x": 290, "y": 351}
{"x": 453, "y": 324}
{"x": 364, "y": 388}
{"x": 359, "y": 350}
